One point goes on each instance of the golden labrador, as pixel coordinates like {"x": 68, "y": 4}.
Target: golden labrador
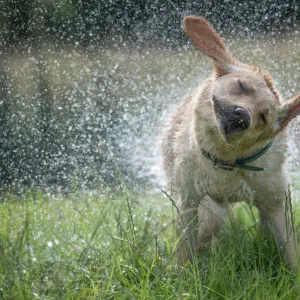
{"x": 226, "y": 143}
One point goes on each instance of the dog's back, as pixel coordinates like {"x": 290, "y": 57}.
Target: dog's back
{"x": 174, "y": 130}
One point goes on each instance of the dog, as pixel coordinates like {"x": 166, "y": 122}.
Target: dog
{"x": 225, "y": 144}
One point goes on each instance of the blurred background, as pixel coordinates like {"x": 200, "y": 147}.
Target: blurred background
{"x": 85, "y": 86}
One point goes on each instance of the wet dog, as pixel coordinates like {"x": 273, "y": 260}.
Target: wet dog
{"x": 226, "y": 143}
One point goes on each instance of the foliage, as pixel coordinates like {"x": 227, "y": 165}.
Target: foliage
{"x": 93, "y": 21}
{"x": 122, "y": 247}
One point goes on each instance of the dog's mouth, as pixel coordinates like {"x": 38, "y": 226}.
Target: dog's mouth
{"x": 232, "y": 118}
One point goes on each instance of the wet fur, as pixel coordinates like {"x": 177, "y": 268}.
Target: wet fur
{"x": 204, "y": 192}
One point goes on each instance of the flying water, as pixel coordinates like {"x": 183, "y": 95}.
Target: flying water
{"x": 86, "y": 114}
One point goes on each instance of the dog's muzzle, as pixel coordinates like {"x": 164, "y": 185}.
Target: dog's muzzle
{"x": 232, "y": 118}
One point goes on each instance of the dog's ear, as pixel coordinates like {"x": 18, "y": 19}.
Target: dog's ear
{"x": 288, "y": 110}
{"x": 207, "y": 40}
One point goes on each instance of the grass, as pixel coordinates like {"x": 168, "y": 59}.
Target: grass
{"x": 92, "y": 246}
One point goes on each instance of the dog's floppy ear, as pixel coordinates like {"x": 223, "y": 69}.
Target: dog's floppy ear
{"x": 288, "y": 110}
{"x": 207, "y": 40}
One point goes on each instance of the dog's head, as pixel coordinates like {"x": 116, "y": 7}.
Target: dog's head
{"x": 245, "y": 106}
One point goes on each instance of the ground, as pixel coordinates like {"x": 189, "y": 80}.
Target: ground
{"x": 99, "y": 246}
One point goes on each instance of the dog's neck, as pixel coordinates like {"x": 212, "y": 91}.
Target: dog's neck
{"x": 240, "y": 163}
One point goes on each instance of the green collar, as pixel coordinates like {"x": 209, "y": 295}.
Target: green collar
{"x": 240, "y": 163}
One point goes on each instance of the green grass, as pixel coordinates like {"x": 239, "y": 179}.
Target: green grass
{"x": 89, "y": 246}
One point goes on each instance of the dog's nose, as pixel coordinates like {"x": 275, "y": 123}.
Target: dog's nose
{"x": 237, "y": 119}
{"x": 243, "y": 117}
{"x": 232, "y": 118}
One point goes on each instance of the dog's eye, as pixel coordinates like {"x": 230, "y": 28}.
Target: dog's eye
{"x": 263, "y": 118}
{"x": 243, "y": 86}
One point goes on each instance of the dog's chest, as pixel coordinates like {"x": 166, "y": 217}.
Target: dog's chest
{"x": 244, "y": 192}
{"x": 231, "y": 189}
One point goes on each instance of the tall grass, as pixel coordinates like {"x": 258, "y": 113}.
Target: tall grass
{"x": 123, "y": 247}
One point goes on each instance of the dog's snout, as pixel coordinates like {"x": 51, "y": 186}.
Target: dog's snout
{"x": 232, "y": 118}
{"x": 237, "y": 119}
{"x": 243, "y": 117}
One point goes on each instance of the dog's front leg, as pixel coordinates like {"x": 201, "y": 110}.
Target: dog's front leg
{"x": 279, "y": 221}
{"x": 196, "y": 225}
{"x": 211, "y": 217}
{"x": 186, "y": 229}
